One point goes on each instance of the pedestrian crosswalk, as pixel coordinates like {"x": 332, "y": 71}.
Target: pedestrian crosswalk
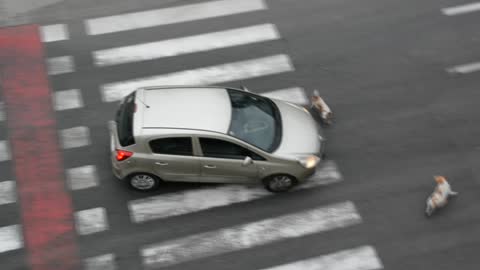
{"x": 185, "y": 45}
{"x": 360, "y": 258}
{"x": 67, "y": 99}
{"x": 2, "y": 112}
{"x": 149, "y": 209}
{"x": 54, "y": 32}
{"x": 10, "y": 238}
{"x": 463, "y": 9}
{"x": 7, "y": 192}
{"x": 4, "y": 151}
{"x": 181, "y": 203}
{"x": 245, "y": 69}
{"x": 159, "y": 17}
{"x": 60, "y": 65}
{"x": 249, "y": 235}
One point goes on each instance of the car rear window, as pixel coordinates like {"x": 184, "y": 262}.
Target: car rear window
{"x": 124, "y": 119}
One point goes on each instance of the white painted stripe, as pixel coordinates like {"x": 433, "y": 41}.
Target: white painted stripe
{"x": 294, "y": 94}
{"x": 82, "y": 177}
{"x": 208, "y": 75}
{"x": 361, "y": 258}
{"x": 157, "y": 17}
{"x": 2, "y": 112}
{"x": 180, "y": 203}
{"x": 185, "y": 45}
{"x": 7, "y": 192}
{"x": 75, "y": 137}
{"x": 102, "y": 262}
{"x": 60, "y": 65}
{"x": 327, "y": 173}
{"x": 463, "y": 69}
{"x": 4, "y": 151}
{"x": 67, "y": 99}
{"x": 54, "y": 32}
{"x": 250, "y": 235}
{"x": 90, "y": 221}
{"x": 10, "y": 238}
{"x": 457, "y": 10}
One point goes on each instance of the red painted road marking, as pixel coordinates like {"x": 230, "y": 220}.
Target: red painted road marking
{"x": 46, "y": 206}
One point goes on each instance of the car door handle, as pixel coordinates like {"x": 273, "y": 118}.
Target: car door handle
{"x": 210, "y": 166}
{"x": 161, "y": 163}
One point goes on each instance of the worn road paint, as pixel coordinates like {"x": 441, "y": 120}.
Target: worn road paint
{"x": 46, "y": 206}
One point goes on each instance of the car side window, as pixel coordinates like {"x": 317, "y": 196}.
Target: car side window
{"x": 222, "y": 149}
{"x": 181, "y": 146}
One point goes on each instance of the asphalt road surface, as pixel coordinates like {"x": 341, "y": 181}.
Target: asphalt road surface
{"x": 400, "y": 77}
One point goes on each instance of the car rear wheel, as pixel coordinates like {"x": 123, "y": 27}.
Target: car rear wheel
{"x": 279, "y": 182}
{"x": 143, "y": 181}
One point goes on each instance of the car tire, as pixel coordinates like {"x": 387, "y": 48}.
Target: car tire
{"x": 143, "y": 181}
{"x": 279, "y": 183}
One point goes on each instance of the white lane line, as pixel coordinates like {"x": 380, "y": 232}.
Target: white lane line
{"x": 463, "y": 69}
{"x": 4, "y": 151}
{"x": 180, "y": 203}
{"x": 2, "y": 112}
{"x": 60, "y": 65}
{"x": 54, "y": 32}
{"x": 90, "y": 221}
{"x": 7, "y": 192}
{"x": 185, "y": 45}
{"x": 75, "y": 137}
{"x": 457, "y": 10}
{"x": 67, "y": 99}
{"x": 250, "y": 235}
{"x": 294, "y": 94}
{"x": 208, "y": 75}
{"x": 360, "y": 258}
{"x": 101, "y": 262}
{"x": 157, "y": 17}
{"x": 82, "y": 177}
{"x": 10, "y": 238}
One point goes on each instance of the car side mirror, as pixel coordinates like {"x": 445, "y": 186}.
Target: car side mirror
{"x": 247, "y": 161}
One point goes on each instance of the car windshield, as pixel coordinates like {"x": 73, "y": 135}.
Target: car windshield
{"x": 255, "y": 120}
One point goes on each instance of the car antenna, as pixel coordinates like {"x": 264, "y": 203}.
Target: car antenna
{"x": 148, "y": 107}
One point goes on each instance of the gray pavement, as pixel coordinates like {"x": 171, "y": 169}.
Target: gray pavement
{"x": 399, "y": 119}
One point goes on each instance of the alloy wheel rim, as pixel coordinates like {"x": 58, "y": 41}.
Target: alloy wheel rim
{"x": 143, "y": 181}
{"x": 280, "y": 182}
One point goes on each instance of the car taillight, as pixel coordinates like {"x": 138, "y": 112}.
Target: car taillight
{"x": 122, "y": 154}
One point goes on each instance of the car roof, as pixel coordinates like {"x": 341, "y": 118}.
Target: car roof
{"x": 201, "y": 108}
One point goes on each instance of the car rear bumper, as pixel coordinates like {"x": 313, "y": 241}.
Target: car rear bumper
{"x": 117, "y": 173}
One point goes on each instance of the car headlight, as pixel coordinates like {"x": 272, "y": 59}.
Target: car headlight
{"x": 309, "y": 162}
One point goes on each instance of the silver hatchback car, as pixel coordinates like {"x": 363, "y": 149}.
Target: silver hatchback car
{"x": 212, "y": 134}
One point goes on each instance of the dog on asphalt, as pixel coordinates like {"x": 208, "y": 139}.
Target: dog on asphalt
{"x": 321, "y": 106}
{"x": 440, "y": 195}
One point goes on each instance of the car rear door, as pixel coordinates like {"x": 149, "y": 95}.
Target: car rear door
{"x": 172, "y": 159}
{"x": 222, "y": 162}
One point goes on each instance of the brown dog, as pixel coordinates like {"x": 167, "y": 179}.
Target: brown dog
{"x": 439, "y": 197}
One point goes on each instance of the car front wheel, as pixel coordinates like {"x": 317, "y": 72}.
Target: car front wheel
{"x": 279, "y": 182}
{"x": 143, "y": 181}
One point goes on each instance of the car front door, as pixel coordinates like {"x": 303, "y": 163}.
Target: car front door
{"x": 172, "y": 159}
{"x": 223, "y": 162}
